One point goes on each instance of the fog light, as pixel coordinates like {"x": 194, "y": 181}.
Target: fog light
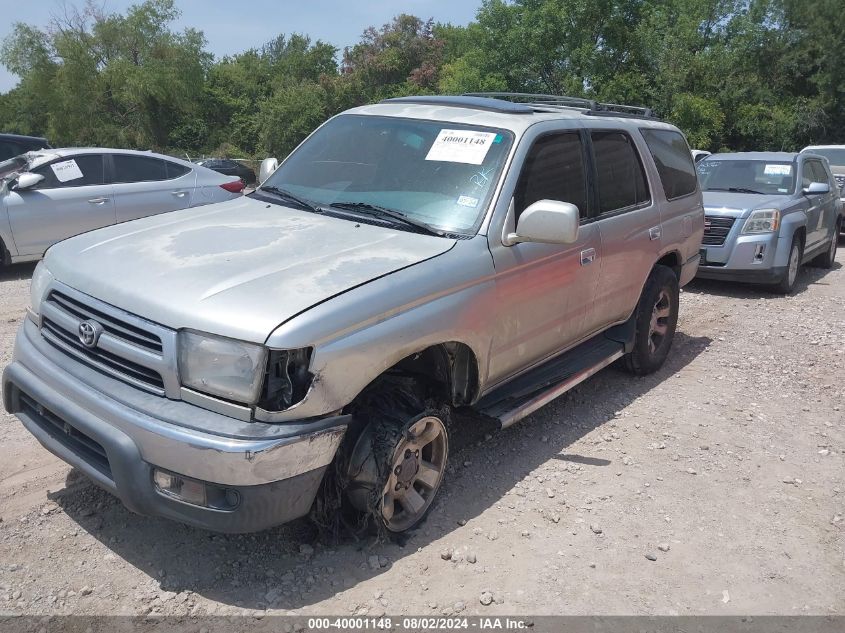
{"x": 195, "y": 492}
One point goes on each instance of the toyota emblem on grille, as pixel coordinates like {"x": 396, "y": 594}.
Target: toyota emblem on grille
{"x": 89, "y": 333}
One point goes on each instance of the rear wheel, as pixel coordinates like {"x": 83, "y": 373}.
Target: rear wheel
{"x": 826, "y": 259}
{"x": 656, "y": 321}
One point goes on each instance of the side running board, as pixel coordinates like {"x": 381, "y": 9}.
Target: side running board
{"x": 525, "y": 394}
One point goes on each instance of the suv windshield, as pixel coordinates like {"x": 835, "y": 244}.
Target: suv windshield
{"x": 438, "y": 174}
{"x": 834, "y": 155}
{"x": 747, "y": 176}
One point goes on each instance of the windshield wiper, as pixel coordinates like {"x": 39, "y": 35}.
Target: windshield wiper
{"x": 734, "y": 190}
{"x": 291, "y": 197}
{"x": 384, "y": 212}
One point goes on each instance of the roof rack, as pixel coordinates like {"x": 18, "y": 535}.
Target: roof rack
{"x": 466, "y": 101}
{"x": 537, "y": 99}
{"x": 592, "y": 107}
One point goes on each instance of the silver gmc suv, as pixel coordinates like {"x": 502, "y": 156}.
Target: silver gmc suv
{"x": 766, "y": 214}
{"x": 237, "y": 365}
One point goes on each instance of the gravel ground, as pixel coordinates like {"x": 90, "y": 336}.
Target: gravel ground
{"x": 716, "y": 486}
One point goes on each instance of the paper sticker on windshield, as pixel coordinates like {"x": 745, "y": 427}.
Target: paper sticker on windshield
{"x": 467, "y": 201}
{"x": 461, "y": 146}
{"x": 777, "y": 170}
{"x": 66, "y": 170}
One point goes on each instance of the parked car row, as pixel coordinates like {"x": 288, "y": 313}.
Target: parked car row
{"x": 301, "y": 348}
{"x": 49, "y": 195}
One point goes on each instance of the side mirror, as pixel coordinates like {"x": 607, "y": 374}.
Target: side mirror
{"x": 26, "y": 180}
{"x": 817, "y": 188}
{"x": 268, "y": 166}
{"x": 547, "y": 222}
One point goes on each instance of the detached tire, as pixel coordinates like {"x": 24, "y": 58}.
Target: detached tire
{"x": 787, "y": 282}
{"x": 826, "y": 259}
{"x": 656, "y": 321}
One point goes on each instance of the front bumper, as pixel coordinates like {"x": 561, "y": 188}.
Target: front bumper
{"x": 117, "y": 435}
{"x": 745, "y": 258}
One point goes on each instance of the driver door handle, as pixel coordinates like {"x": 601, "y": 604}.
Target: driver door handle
{"x": 588, "y": 256}
{"x": 98, "y": 200}
{"x": 179, "y": 194}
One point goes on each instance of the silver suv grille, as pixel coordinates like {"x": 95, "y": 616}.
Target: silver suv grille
{"x": 132, "y": 349}
{"x": 840, "y": 180}
{"x": 716, "y": 230}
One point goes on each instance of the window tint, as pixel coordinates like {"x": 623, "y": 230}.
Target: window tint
{"x": 91, "y": 166}
{"x": 619, "y": 174}
{"x": 174, "y": 170}
{"x": 553, "y": 170}
{"x": 129, "y": 168}
{"x": 674, "y": 162}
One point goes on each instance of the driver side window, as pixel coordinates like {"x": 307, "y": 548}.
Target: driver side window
{"x": 553, "y": 170}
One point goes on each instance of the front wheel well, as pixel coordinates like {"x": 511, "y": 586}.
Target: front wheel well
{"x": 5, "y": 254}
{"x": 671, "y": 261}
{"x": 447, "y": 372}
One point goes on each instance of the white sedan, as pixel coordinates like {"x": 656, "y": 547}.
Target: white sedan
{"x": 49, "y": 195}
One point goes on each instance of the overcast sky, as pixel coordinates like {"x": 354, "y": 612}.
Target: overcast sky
{"x": 229, "y": 28}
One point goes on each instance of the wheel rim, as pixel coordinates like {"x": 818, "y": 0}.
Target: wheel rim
{"x": 659, "y": 325}
{"x": 417, "y": 468}
{"x": 793, "y": 264}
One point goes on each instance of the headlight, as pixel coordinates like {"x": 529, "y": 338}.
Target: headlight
{"x": 762, "y": 221}
{"x": 41, "y": 280}
{"x": 221, "y": 366}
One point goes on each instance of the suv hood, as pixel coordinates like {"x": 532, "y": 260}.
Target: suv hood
{"x": 238, "y": 268}
{"x": 737, "y": 205}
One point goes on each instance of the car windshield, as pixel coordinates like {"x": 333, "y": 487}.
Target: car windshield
{"x": 769, "y": 177}
{"x": 834, "y": 155}
{"x": 437, "y": 174}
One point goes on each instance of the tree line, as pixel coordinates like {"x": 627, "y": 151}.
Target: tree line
{"x": 732, "y": 74}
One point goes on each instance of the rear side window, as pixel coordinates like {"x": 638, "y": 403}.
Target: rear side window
{"x": 77, "y": 171}
{"x": 553, "y": 170}
{"x": 674, "y": 162}
{"x": 620, "y": 178}
{"x": 129, "y": 168}
{"x": 174, "y": 170}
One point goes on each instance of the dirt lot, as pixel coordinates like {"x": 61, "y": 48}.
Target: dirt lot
{"x": 716, "y": 486}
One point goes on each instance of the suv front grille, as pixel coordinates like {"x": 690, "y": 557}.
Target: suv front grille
{"x": 129, "y": 348}
{"x": 112, "y": 325}
{"x": 716, "y": 230}
{"x": 840, "y": 180}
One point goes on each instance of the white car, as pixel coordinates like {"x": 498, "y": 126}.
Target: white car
{"x": 49, "y": 195}
{"x": 699, "y": 155}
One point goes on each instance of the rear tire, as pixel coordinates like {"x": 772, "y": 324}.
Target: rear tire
{"x": 787, "y": 282}
{"x": 656, "y": 321}
{"x": 826, "y": 259}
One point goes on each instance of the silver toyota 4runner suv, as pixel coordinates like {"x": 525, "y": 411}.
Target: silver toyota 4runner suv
{"x": 235, "y": 365}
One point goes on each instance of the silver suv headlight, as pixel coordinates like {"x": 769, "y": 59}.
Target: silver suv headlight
{"x": 762, "y": 221}
{"x": 220, "y": 366}
{"x": 41, "y": 280}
